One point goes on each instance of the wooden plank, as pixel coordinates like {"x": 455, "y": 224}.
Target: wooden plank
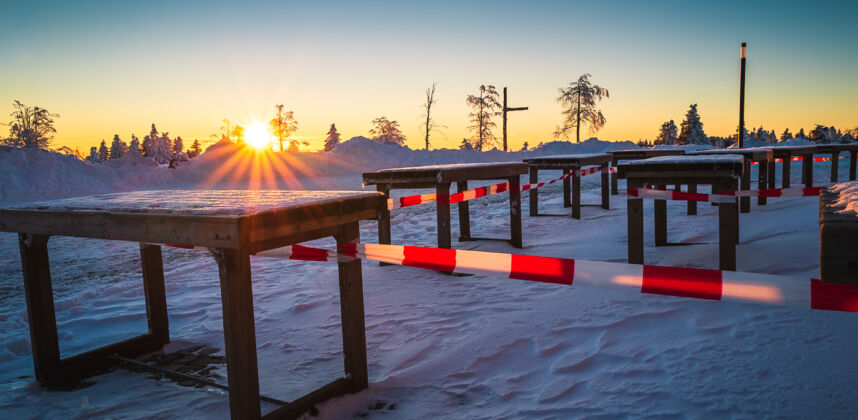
{"x": 464, "y": 214}
{"x": 98, "y": 360}
{"x": 299, "y": 407}
{"x": 515, "y": 211}
{"x": 154, "y": 290}
{"x": 352, "y": 312}
{"x": 576, "y": 197}
{"x": 40, "y": 306}
{"x": 533, "y": 193}
{"x": 771, "y": 173}
{"x": 762, "y": 178}
{"x": 606, "y": 189}
{"x": 560, "y": 161}
{"x": 239, "y": 333}
{"x": 442, "y": 209}
{"x": 691, "y": 207}
{"x": 785, "y": 169}
{"x": 728, "y": 222}
{"x": 635, "y": 226}
{"x": 835, "y": 165}
{"x": 383, "y": 216}
{"x": 567, "y": 190}
{"x": 445, "y": 173}
{"x": 660, "y": 219}
{"x": 807, "y": 170}
{"x": 745, "y": 202}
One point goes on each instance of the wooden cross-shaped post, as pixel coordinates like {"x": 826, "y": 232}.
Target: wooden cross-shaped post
{"x": 505, "y": 110}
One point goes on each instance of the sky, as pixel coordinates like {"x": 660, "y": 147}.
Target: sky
{"x": 117, "y": 67}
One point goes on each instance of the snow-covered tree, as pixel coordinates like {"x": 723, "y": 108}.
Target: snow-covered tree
{"x": 93, "y": 156}
{"x": 386, "y": 131}
{"x": 178, "y": 145}
{"x": 134, "y": 147}
{"x": 819, "y": 134}
{"x": 800, "y": 134}
{"x": 524, "y": 147}
{"x": 165, "y": 138}
{"x": 333, "y": 138}
{"x": 103, "y": 151}
{"x": 282, "y": 126}
{"x": 466, "y": 145}
{"x": 667, "y": 134}
{"x": 691, "y": 131}
{"x": 117, "y": 147}
{"x": 579, "y": 106}
{"x": 786, "y": 136}
{"x": 31, "y": 127}
{"x": 485, "y": 106}
{"x": 195, "y": 149}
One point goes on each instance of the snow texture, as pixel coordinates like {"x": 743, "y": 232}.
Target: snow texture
{"x": 441, "y": 346}
{"x": 688, "y": 159}
{"x": 848, "y": 197}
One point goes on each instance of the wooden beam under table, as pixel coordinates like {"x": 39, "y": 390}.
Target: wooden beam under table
{"x": 352, "y": 312}
{"x": 785, "y": 170}
{"x": 515, "y": 211}
{"x": 762, "y": 179}
{"x": 660, "y": 219}
{"x": 154, "y": 290}
{"x": 606, "y": 189}
{"x": 567, "y": 191}
{"x": 442, "y": 209}
{"x": 636, "y": 227}
{"x": 728, "y": 228}
{"x": 807, "y": 170}
{"x": 576, "y": 196}
{"x": 853, "y": 161}
{"x": 691, "y": 207}
{"x": 40, "y": 306}
{"x": 614, "y": 177}
{"x": 835, "y": 164}
{"x": 533, "y": 193}
{"x": 745, "y": 202}
{"x": 464, "y": 214}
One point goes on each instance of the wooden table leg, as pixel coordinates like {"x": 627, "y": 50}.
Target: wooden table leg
{"x": 636, "y": 227}
{"x": 156, "y": 297}
{"x": 692, "y": 205}
{"x": 787, "y": 161}
{"x": 762, "y": 179}
{"x": 576, "y": 195}
{"x": 40, "y": 307}
{"x": 534, "y": 192}
{"x": 614, "y": 182}
{"x": 835, "y": 166}
{"x": 660, "y": 219}
{"x": 515, "y": 211}
{"x": 771, "y": 173}
{"x": 567, "y": 195}
{"x": 606, "y": 198}
{"x": 745, "y": 202}
{"x": 352, "y": 310}
{"x": 383, "y": 216}
{"x": 442, "y": 208}
{"x": 728, "y": 222}
{"x": 853, "y": 161}
{"x": 464, "y": 214}
{"x": 239, "y": 333}
{"x": 807, "y": 170}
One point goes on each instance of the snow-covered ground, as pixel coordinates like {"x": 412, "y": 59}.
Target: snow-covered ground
{"x": 442, "y": 346}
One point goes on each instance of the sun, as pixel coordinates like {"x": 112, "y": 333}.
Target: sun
{"x": 257, "y": 136}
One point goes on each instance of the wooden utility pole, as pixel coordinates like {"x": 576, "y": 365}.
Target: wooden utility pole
{"x": 742, "y": 99}
{"x": 505, "y": 110}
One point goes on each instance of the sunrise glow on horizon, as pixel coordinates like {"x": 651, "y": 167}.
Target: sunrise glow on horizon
{"x": 117, "y": 68}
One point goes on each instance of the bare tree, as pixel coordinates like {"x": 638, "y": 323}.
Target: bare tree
{"x": 283, "y": 125}
{"x": 579, "y": 104}
{"x": 485, "y": 106}
{"x": 430, "y": 123}
{"x": 31, "y": 127}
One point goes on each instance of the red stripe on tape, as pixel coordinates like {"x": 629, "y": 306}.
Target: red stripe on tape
{"x": 348, "y": 249}
{"x": 833, "y": 296}
{"x": 480, "y": 192}
{"x": 632, "y": 192}
{"x": 443, "y": 199}
{"x": 687, "y": 196}
{"x": 544, "y": 269}
{"x": 811, "y": 191}
{"x": 503, "y": 187}
{"x": 431, "y": 258}
{"x": 457, "y": 197}
{"x": 410, "y": 201}
{"x": 771, "y": 192}
{"x": 306, "y": 253}
{"x": 682, "y": 282}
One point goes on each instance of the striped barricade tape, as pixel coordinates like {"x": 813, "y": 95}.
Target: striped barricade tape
{"x": 724, "y": 196}
{"x": 799, "y": 158}
{"x": 669, "y": 281}
{"x": 413, "y": 200}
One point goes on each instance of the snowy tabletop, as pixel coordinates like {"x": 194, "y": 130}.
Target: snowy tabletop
{"x": 578, "y": 156}
{"x": 660, "y": 160}
{"x": 847, "y": 199}
{"x": 194, "y": 202}
{"x": 451, "y": 166}
{"x": 756, "y": 152}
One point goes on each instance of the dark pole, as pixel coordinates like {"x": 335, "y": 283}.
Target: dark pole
{"x": 742, "y": 99}
{"x": 504, "y": 119}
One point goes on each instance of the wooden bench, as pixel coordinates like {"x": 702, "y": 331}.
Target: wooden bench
{"x": 838, "y": 237}
{"x": 762, "y": 155}
{"x": 567, "y": 164}
{"x": 440, "y": 177}
{"x": 834, "y": 150}
{"x": 637, "y": 154}
{"x": 721, "y": 172}
{"x": 786, "y": 153}
{"x": 234, "y": 225}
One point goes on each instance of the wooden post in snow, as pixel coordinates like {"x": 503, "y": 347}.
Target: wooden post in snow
{"x": 505, "y": 110}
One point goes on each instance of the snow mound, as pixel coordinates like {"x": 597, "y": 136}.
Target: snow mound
{"x": 848, "y": 198}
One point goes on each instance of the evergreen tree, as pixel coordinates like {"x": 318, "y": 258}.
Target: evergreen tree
{"x": 667, "y": 134}
{"x": 165, "y": 139}
{"x": 691, "y": 131}
{"x": 333, "y": 138}
{"x": 93, "y": 156}
{"x": 178, "y": 145}
{"x": 134, "y": 147}
{"x": 524, "y": 147}
{"x": 386, "y": 131}
{"x": 579, "y": 105}
{"x": 195, "y": 149}
{"x": 819, "y": 134}
{"x": 116, "y": 148}
{"x": 786, "y": 136}
{"x": 485, "y": 107}
{"x": 800, "y": 134}
{"x": 103, "y": 151}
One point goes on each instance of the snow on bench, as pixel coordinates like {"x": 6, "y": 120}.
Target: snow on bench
{"x": 838, "y": 230}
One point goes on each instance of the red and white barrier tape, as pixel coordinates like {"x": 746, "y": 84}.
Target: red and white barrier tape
{"x": 724, "y": 196}
{"x": 413, "y": 200}
{"x": 799, "y": 158}
{"x": 669, "y": 281}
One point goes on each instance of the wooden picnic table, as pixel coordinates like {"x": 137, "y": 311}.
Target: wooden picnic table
{"x": 762, "y": 155}
{"x": 721, "y": 172}
{"x": 838, "y": 228}
{"x": 637, "y": 154}
{"x": 834, "y": 150}
{"x": 567, "y": 164}
{"x": 440, "y": 177}
{"x": 233, "y": 225}
{"x": 786, "y": 153}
